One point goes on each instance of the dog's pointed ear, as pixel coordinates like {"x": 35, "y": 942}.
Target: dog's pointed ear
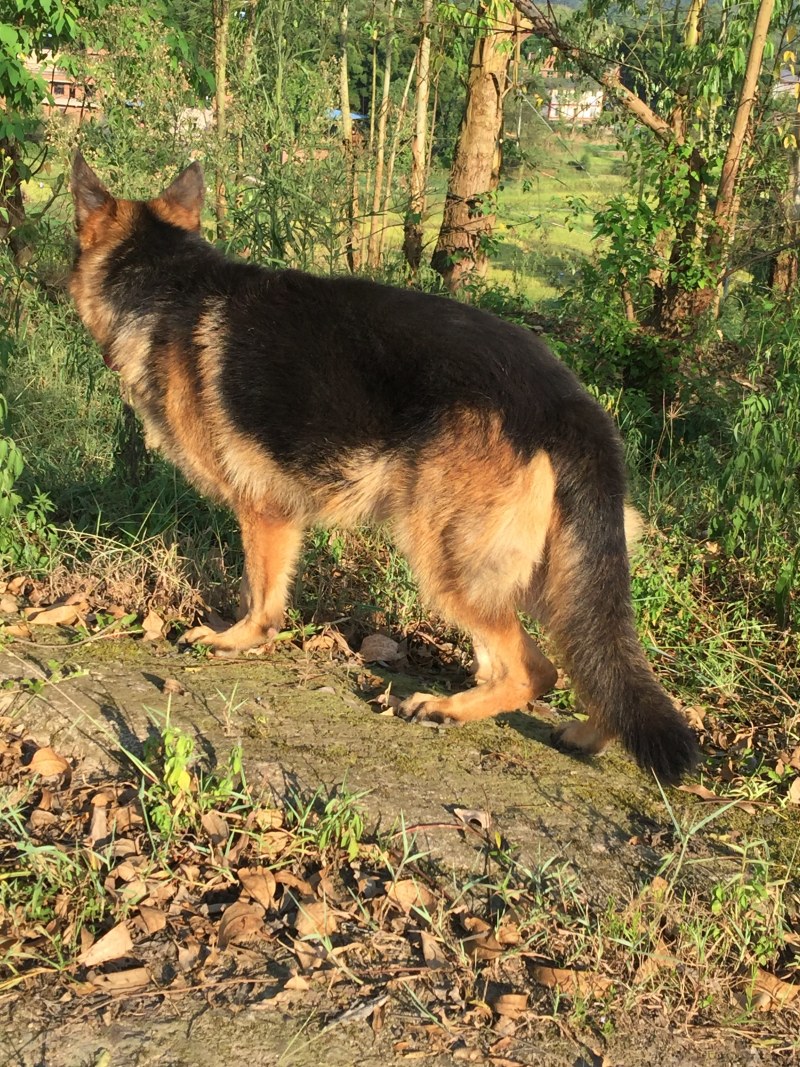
{"x": 88, "y": 192}
{"x": 185, "y": 197}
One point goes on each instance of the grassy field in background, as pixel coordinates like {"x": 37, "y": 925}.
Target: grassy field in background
{"x": 542, "y": 237}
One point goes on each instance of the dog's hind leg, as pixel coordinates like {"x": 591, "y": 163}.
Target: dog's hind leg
{"x": 271, "y": 546}
{"x": 519, "y": 674}
{"x": 475, "y": 533}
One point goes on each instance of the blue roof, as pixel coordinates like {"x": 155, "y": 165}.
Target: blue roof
{"x": 336, "y": 113}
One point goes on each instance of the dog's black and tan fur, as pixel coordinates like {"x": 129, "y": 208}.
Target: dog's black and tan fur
{"x": 296, "y": 399}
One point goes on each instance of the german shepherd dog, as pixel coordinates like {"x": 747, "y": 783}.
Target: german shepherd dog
{"x": 296, "y": 399}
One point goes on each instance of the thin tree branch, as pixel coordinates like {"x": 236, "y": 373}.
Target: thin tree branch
{"x": 544, "y": 26}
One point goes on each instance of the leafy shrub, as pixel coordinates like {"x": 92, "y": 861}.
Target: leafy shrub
{"x": 759, "y": 485}
{"x": 27, "y": 538}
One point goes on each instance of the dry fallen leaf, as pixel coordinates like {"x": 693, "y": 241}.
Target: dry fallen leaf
{"x": 216, "y": 827}
{"x": 657, "y": 889}
{"x": 408, "y": 894}
{"x": 39, "y": 819}
{"x": 327, "y": 642}
{"x": 699, "y": 791}
{"x": 432, "y": 951}
{"x": 111, "y": 946}
{"x": 17, "y": 629}
{"x": 153, "y": 919}
{"x": 125, "y": 818}
{"x": 122, "y": 981}
{"x": 98, "y": 830}
{"x": 659, "y": 959}
{"x": 16, "y": 586}
{"x": 319, "y": 642}
{"x": 794, "y": 792}
{"x": 239, "y": 922}
{"x": 47, "y": 763}
{"x": 134, "y": 891}
{"x": 8, "y": 604}
{"x": 152, "y": 626}
{"x": 303, "y": 887}
{"x": 379, "y": 648}
{"x": 695, "y": 715}
{"x": 478, "y": 820}
{"x": 584, "y": 983}
{"x": 267, "y": 818}
{"x": 310, "y": 954}
{"x": 60, "y": 615}
{"x": 259, "y": 882}
{"x": 126, "y": 872}
{"x": 512, "y": 1005}
{"x": 188, "y": 954}
{"x": 274, "y": 843}
{"x": 315, "y": 918}
{"x": 482, "y": 944}
{"x": 508, "y": 934}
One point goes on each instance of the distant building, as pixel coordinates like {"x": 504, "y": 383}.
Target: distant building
{"x": 568, "y": 103}
{"x": 573, "y": 105}
{"x": 196, "y": 118}
{"x": 788, "y": 82}
{"x": 71, "y": 96}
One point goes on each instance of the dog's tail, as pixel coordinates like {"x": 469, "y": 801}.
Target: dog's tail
{"x": 588, "y": 608}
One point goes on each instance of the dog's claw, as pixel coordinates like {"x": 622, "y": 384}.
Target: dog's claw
{"x": 420, "y": 709}
{"x": 198, "y": 635}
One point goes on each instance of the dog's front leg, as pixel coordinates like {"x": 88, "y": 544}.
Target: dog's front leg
{"x": 271, "y": 545}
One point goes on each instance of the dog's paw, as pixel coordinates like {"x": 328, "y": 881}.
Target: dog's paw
{"x": 199, "y": 635}
{"x": 240, "y": 637}
{"x": 578, "y": 737}
{"x": 426, "y": 710}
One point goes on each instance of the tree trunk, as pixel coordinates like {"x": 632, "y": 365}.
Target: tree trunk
{"x": 468, "y": 210}
{"x": 12, "y": 206}
{"x": 691, "y": 28}
{"x": 432, "y": 130}
{"x": 413, "y": 230}
{"x": 726, "y": 193}
{"x": 221, "y": 14}
{"x": 398, "y": 130}
{"x": 353, "y": 238}
{"x": 373, "y": 96}
{"x": 376, "y": 220}
{"x": 247, "y": 61}
{"x": 681, "y": 306}
{"x": 784, "y": 270}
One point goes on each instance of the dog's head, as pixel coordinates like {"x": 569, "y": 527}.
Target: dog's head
{"x": 104, "y": 223}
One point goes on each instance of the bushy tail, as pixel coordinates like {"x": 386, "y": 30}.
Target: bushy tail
{"x": 588, "y": 608}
